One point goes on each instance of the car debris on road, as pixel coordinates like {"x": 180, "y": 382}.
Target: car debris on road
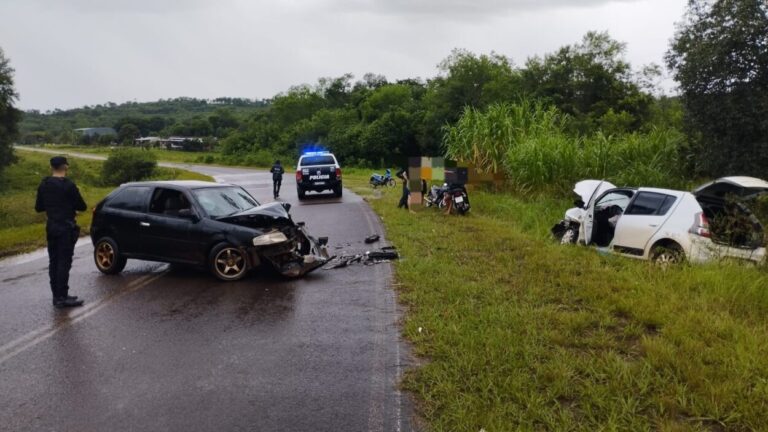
{"x": 379, "y": 256}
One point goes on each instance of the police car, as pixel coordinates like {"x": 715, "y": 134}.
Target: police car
{"x": 318, "y": 172}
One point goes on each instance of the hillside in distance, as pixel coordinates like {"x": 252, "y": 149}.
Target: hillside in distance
{"x": 153, "y": 116}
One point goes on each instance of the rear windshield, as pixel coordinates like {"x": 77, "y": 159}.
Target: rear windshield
{"x": 317, "y": 160}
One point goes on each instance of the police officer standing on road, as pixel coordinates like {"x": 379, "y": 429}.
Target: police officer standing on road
{"x": 277, "y": 177}
{"x": 59, "y": 198}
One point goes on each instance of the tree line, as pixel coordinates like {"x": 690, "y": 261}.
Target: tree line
{"x": 718, "y": 56}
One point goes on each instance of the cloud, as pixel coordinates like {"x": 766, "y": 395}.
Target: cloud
{"x": 461, "y": 8}
{"x": 123, "y": 6}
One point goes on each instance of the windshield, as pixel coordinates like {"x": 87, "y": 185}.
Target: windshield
{"x": 224, "y": 201}
{"x": 317, "y": 160}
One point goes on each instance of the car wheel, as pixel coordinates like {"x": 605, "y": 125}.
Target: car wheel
{"x": 337, "y": 191}
{"x": 107, "y": 256}
{"x": 300, "y": 192}
{"x": 228, "y": 263}
{"x": 668, "y": 254}
{"x": 569, "y": 237}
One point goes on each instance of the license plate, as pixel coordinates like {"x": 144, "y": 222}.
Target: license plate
{"x": 459, "y": 199}
{"x": 319, "y": 183}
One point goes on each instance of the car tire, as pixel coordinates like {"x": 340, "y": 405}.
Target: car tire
{"x": 300, "y": 192}
{"x": 337, "y": 191}
{"x": 569, "y": 236}
{"x": 107, "y": 257}
{"x": 667, "y": 254}
{"x": 227, "y": 262}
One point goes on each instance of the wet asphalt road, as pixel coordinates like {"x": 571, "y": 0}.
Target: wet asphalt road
{"x": 159, "y": 348}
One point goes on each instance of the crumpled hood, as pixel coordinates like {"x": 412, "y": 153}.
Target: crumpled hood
{"x": 261, "y": 216}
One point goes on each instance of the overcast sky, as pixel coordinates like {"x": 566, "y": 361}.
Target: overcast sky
{"x": 70, "y": 53}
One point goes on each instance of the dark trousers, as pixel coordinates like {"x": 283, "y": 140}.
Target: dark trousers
{"x": 404, "y": 198}
{"x": 276, "y": 183}
{"x": 61, "y": 248}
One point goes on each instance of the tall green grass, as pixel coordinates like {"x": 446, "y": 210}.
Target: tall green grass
{"x": 529, "y": 143}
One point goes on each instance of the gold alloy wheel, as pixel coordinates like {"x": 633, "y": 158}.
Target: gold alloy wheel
{"x": 230, "y": 263}
{"x": 105, "y": 255}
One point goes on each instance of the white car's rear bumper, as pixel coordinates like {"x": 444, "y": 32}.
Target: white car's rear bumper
{"x": 704, "y": 250}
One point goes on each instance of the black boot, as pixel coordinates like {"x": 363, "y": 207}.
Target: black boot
{"x": 66, "y": 302}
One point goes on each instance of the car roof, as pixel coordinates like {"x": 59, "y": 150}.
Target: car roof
{"x": 184, "y": 184}
{"x": 674, "y": 192}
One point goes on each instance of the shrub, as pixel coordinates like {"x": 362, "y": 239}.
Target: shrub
{"x": 126, "y": 165}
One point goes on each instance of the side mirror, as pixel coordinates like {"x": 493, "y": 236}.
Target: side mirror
{"x": 286, "y": 206}
{"x": 188, "y": 214}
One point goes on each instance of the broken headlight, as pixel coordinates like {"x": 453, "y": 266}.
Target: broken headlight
{"x": 270, "y": 239}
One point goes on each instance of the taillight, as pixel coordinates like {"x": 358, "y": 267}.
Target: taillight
{"x": 701, "y": 226}
{"x": 298, "y": 175}
{"x": 338, "y": 173}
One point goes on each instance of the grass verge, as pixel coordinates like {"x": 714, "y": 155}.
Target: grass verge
{"x": 21, "y": 228}
{"x": 519, "y": 333}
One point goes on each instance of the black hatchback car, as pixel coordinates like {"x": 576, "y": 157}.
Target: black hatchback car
{"x": 217, "y": 226}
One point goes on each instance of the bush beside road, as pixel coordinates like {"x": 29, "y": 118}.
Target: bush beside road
{"x": 21, "y": 228}
{"x": 520, "y": 333}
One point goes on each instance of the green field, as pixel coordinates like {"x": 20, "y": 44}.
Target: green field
{"x": 21, "y": 228}
{"x": 519, "y": 333}
{"x": 162, "y": 155}
{"x": 175, "y": 156}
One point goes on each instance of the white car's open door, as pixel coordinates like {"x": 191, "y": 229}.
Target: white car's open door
{"x": 589, "y": 191}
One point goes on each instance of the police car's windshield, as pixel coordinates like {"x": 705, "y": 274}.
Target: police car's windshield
{"x": 317, "y": 160}
{"x": 224, "y": 201}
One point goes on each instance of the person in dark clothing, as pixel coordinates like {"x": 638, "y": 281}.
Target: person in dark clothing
{"x": 277, "y": 177}
{"x": 405, "y": 199}
{"x": 60, "y": 199}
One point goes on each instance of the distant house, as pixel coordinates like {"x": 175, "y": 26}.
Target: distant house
{"x": 148, "y": 141}
{"x": 93, "y": 131}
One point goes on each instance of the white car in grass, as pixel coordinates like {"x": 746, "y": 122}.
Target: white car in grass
{"x": 668, "y": 225}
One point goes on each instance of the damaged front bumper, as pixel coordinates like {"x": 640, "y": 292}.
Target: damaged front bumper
{"x": 302, "y": 253}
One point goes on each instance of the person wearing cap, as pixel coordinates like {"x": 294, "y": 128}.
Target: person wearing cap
{"x": 60, "y": 199}
{"x": 277, "y": 177}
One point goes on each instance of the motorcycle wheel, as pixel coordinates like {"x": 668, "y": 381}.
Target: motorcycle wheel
{"x": 391, "y": 183}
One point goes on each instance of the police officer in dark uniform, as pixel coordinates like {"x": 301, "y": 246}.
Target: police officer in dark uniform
{"x": 277, "y": 177}
{"x": 59, "y": 198}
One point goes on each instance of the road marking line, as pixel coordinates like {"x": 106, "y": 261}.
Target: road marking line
{"x": 80, "y": 311}
{"x": 43, "y": 333}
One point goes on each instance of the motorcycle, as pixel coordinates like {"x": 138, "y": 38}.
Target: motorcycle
{"x": 382, "y": 180}
{"x": 454, "y": 195}
{"x": 434, "y": 198}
